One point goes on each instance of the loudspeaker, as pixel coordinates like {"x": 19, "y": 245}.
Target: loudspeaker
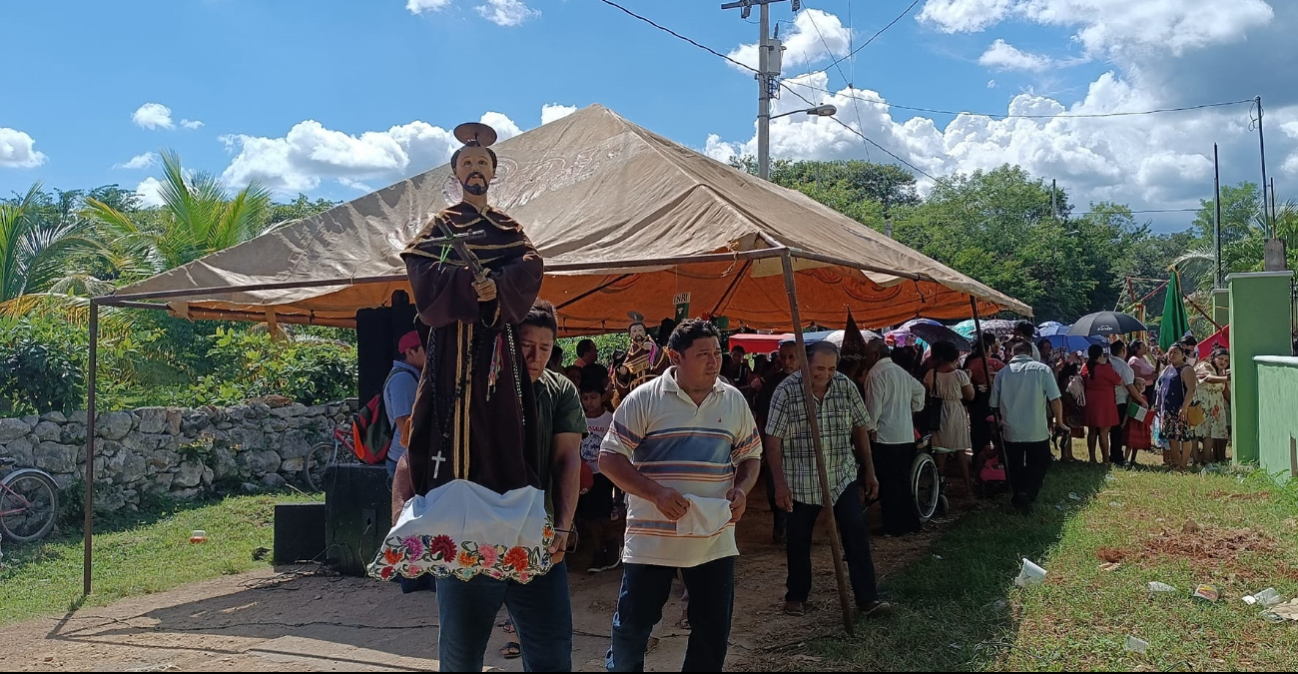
{"x": 359, "y": 516}
{"x": 299, "y": 532}
{"x": 377, "y": 334}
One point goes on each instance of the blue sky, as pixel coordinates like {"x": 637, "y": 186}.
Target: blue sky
{"x": 383, "y": 79}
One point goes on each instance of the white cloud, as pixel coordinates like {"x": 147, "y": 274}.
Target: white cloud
{"x": 153, "y": 116}
{"x": 1112, "y": 27}
{"x": 140, "y": 161}
{"x": 803, "y": 44}
{"x": 965, "y": 16}
{"x": 507, "y": 12}
{"x": 191, "y": 124}
{"x": 991, "y": 84}
{"x": 310, "y": 153}
{"x": 1151, "y": 161}
{"x": 418, "y": 6}
{"x": 18, "y": 150}
{"x": 150, "y": 192}
{"x": 554, "y": 112}
{"x": 1005, "y": 56}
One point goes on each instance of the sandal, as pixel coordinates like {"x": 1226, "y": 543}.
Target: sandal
{"x": 507, "y": 626}
{"x": 511, "y": 651}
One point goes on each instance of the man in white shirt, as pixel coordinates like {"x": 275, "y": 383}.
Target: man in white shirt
{"x": 685, "y": 449}
{"x": 892, "y": 397}
{"x": 1026, "y": 392}
{"x": 1125, "y": 393}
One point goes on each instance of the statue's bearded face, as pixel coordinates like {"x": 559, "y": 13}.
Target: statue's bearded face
{"x": 638, "y": 334}
{"x": 474, "y": 169}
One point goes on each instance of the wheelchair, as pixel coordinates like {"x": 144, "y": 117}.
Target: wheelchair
{"x": 927, "y": 482}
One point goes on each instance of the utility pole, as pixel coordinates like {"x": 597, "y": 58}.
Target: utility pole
{"x": 770, "y": 53}
{"x": 1266, "y": 215}
{"x": 1216, "y": 200}
{"x": 1054, "y": 203}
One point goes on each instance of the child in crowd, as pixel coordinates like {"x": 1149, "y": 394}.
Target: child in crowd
{"x": 598, "y": 509}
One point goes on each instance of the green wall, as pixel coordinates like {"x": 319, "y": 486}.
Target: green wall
{"x": 1277, "y": 387}
{"x": 1260, "y": 320}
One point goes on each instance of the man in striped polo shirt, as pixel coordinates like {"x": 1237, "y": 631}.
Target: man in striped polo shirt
{"x": 685, "y": 449}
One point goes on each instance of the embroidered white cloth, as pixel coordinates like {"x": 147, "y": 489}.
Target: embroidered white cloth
{"x": 705, "y": 517}
{"x": 463, "y": 529}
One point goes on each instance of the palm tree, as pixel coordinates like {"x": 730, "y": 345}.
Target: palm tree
{"x": 42, "y": 254}
{"x": 197, "y": 217}
{"x": 1199, "y": 266}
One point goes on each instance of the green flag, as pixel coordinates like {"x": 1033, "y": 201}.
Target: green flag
{"x": 1175, "y": 323}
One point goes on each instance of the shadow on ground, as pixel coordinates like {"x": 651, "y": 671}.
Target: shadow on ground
{"x": 953, "y": 609}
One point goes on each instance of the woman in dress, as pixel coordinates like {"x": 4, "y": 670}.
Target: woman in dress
{"x": 953, "y": 386}
{"x": 1140, "y": 433}
{"x": 1213, "y": 394}
{"x": 982, "y": 370}
{"x": 1101, "y": 399}
{"x": 1176, "y": 392}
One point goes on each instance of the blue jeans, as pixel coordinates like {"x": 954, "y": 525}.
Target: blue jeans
{"x": 541, "y": 611}
{"x": 645, "y": 589}
{"x": 392, "y": 469}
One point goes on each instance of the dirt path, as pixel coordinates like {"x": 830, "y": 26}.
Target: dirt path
{"x": 274, "y": 621}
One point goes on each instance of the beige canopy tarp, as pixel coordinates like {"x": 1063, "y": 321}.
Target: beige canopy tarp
{"x": 625, "y": 220}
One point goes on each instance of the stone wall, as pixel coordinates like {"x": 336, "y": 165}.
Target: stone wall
{"x": 180, "y": 453}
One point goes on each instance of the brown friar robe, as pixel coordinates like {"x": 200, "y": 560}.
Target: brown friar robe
{"x": 475, "y": 410}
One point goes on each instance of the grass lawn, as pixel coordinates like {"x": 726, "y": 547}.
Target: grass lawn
{"x": 138, "y": 553}
{"x": 962, "y": 612}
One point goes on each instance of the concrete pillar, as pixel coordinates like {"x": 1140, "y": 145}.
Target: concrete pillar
{"x": 1221, "y": 306}
{"x": 1260, "y": 319}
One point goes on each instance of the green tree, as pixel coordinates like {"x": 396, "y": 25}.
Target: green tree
{"x": 861, "y": 190}
{"x": 198, "y": 217}
{"x": 39, "y": 236}
{"x": 302, "y": 207}
{"x": 1240, "y": 207}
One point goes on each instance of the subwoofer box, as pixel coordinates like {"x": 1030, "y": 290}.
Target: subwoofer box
{"x": 299, "y": 532}
{"x": 359, "y": 504}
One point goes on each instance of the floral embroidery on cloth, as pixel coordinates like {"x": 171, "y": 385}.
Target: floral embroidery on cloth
{"x": 463, "y": 529}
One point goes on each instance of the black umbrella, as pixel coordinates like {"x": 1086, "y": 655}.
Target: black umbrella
{"x": 938, "y": 333}
{"x": 1105, "y": 323}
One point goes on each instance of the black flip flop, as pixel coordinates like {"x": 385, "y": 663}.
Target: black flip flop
{"x": 511, "y": 651}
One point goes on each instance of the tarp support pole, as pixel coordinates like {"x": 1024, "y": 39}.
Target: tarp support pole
{"x": 987, "y": 376}
{"x": 835, "y": 542}
{"x": 93, "y": 380}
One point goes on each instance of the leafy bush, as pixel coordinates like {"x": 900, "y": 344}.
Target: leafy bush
{"x": 250, "y": 364}
{"x": 41, "y": 368}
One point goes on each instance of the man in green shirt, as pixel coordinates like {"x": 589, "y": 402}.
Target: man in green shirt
{"x": 541, "y": 609}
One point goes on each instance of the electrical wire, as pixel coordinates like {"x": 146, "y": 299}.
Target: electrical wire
{"x": 855, "y": 106}
{"x": 920, "y": 109}
{"x": 876, "y": 35}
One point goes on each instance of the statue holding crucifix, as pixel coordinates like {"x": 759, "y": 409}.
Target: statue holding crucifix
{"x": 473, "y": 459}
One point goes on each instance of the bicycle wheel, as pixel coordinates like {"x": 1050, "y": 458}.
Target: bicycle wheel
{"x": 30, "y": 503}
{"x": 926, "y": 484}
{"x": 315, "y": 465}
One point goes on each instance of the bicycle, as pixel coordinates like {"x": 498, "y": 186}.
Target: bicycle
{"x": 323, "y": 456}
{"x": 29, "y": 503}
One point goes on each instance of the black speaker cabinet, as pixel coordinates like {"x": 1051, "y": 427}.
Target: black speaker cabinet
{"x": 377, "y": 334}
{"x": 299, "y": 532}
{"x": 359, "y": 504}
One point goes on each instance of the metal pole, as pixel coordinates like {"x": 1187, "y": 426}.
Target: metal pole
{"x": 1216, "y": 187}
{"x": 93, "y": 380}
{"x": 1262, "y": 150}
{"x": 835, "y": 543}
{"x": 1273, "y": 225}
{"x": 987, "y": 375}
{"x": 763, "y": 98}
{"x": 1054, "y": 203}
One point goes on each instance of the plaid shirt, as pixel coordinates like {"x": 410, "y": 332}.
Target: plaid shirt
{"x": 841, "y": 411}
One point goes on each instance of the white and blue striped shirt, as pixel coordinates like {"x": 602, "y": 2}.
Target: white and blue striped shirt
{"x": 691, "y": 448}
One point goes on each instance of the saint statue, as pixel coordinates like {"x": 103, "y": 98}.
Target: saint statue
{"x": 644, "y": 360}
{"x": 473, "y": 448}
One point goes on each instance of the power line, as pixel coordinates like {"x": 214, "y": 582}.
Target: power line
{"x": 919, "y": 109}
{"x": 1094, "y": 115}
{"x": 676, "y": 35}
{"x": 876, "y": 35}
{"x": 855, "y": 106}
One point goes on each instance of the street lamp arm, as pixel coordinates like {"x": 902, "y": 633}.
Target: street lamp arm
{"x": 819, "y": 111}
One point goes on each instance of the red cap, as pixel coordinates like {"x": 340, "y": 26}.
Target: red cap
{"x": 409, "y": 341}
